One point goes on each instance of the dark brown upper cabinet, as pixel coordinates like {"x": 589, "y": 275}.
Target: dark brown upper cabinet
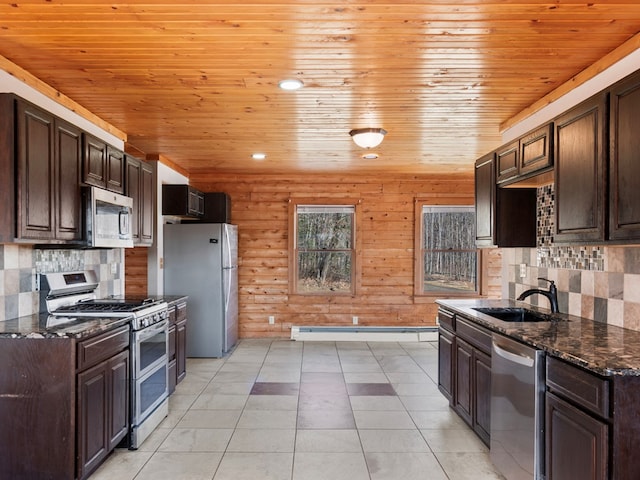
{"x": 103, "y": 165}
{"x": 528, "y": 156}
{"x": 507, "y": 161}
{"x": 485, "y": 181}
{"x": 580, "y": 148}
{"x": 139, "y": 186}
{"x": 48, "y": 152}
{"x": 624, "y": 159}
{"x": 505, "y": 217}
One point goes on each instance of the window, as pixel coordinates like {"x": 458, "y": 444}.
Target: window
{"x": 324, "y": 251}
{"x": 448, "y": 260}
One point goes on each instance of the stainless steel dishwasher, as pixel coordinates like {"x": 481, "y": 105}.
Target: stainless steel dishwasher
{"x": 517, "y": 409}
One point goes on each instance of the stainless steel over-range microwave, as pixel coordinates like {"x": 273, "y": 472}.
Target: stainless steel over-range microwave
{"x": 108, "y": 219}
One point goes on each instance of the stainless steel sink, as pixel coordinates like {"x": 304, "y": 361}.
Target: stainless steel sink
{"x": 516, "y": 314}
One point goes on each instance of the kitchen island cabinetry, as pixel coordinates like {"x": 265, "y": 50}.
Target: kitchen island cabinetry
{"x": 65, "y": 396}
{"x": 580, "y": 144}
{"x": 465, "y": 370}
{"x": 139, "y": 186}
{"x": 576, "y": 428}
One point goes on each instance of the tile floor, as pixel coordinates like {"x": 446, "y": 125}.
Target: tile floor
{"x": 279, "y": 409}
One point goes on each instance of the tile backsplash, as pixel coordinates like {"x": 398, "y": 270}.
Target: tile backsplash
{"x": 20, "y": 264}
{"x": 601, "y": 283}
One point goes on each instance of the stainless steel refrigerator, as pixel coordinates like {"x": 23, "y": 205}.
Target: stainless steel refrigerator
{"x": 200, "y": 260}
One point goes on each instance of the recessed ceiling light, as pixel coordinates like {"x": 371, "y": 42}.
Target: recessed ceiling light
{"x": 370, "y": 156}
{"x": 290, "y": 84}
{"x": 259, "y": 156}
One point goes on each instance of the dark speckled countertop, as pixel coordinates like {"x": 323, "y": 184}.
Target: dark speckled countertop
{"x": 603, "y": 349}
{"x": 43, "y": 325}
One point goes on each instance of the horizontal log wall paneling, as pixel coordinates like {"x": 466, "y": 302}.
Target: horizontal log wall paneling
{"x": 135, "y": 262}
{"x": 259, "y": 206}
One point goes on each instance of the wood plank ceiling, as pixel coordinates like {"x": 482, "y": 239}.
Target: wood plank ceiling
{"x": 197, "y": 81}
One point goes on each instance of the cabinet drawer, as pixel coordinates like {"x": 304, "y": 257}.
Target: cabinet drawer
{"x": 446, "y": 320}
{"x": 181, "y": 312}
{"x": 583, "y": 388}
{"x": 101, "y": 347}
{"x": 476, "y": 336}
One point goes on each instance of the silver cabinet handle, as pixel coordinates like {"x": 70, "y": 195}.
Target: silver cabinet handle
{"x": 513, "y": 357}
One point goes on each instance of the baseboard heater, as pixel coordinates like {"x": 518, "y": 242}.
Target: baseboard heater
{"x": 365, "y": 334}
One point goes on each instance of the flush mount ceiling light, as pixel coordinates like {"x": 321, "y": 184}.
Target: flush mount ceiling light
{"x": 368, "y": 137}
{"x": 370, "y": 156}
{"x": 290, "y": 84}
{"x": 259, "y": 156}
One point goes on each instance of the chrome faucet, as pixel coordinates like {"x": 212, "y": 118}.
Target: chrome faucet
{"x": 551, "y": 294}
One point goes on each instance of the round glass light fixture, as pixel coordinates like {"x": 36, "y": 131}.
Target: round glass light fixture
{"x": 368, "y": 137}
{"x": 259, "y": 156}
{"x": 290, "y": 84}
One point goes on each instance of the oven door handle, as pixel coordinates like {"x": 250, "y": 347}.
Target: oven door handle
{"x": 152, "y": 330}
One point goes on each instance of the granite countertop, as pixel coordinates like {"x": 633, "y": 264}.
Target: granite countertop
{"x": 604, "y": 349}
{"x": 43, "y": 325}
{"x": 159, "y": 298}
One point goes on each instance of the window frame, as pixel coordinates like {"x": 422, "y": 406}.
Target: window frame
{"x": 440, "y": 201}
{"x": 356, "y": 250}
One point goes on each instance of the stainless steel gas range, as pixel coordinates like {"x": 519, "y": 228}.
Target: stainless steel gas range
{"x": 72, "y": 294}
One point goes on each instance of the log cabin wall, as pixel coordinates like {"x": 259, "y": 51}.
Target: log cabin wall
{"x": 136, "y": 277}
{"x": 259, "y": 206}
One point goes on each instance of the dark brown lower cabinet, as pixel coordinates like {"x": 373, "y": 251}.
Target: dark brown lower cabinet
{"x": 181, "y": 350}
{"x": 482, "y": 395}
{"x": 445, "y": 363}
{"x": 576, "y": 443}
{"x": 102, "y": 411}
{"x": 177, "y": 344}
{"x": 463, "y": 362}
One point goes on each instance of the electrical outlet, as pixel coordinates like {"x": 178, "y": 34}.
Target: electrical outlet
{"x": 272, "y": 320}
{"x": 523, "y": 270}
{"x": 355, "y": 320}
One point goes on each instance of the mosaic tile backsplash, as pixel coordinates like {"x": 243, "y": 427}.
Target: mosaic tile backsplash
{"x": 20, "y": 264}
{"x": 601, "y": 283}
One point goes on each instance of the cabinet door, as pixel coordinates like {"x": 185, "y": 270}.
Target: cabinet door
{"x": 147, "y": 204}
{"x": 36, "y": 173}
{"x": 115, "y": 170}
{"x": 94, "y": 160}
{"x": 445, "y": 364}
{"x": 580, "y": 136}
{"x": 173, "y": 373}
{"x": 133, "y": 169}
{"x": 485, "y": 200}
{"x": 482, "y": 395}
{"x": 507, "y": 162}
{"x": 624, "y": 160}
{"x": 536, "y": 150}
{"x": 576, "y": 443}
{"x": 181, "y": 350}
{"x": 463, "y": 375}
{"x": 68, "y": 149}
{"x": 92, "y": 418}
{"x": 118, "y": 415}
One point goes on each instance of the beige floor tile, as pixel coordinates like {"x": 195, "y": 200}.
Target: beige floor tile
{"x": 444, "y": 420}
{"x": 262, "y": 440}
{"x": 393, "y": 441}
{"x": 153, "y": 441}
{"x": 122, "y": 464}
{"x": 468, "y": 466}
{"x": 255, "y": 466}
{"x": 197, "y": 440}
{"x": 282, "y": 376}
{"x": 436, "y": 402}
{"x": 230, "y": 388}
{"x": 330, "y": 466}
{"x": 215, "y": 401}
{"x": 453, "y": 441}
{"x": 267, "y": 419}
{"x": 183, "y": 466}
{"x": 272, "y": 402}
{"x": 416, "y": 388}
{"x": 329, "y": 441}
{"x": 210, "y": 419}
{"x": 376, "y": 402}
{"x": 405, "y": 466}
{"x": 400, "y": 377}
{"x": 383, "y": 420}
{"x": 356, "y": 377}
